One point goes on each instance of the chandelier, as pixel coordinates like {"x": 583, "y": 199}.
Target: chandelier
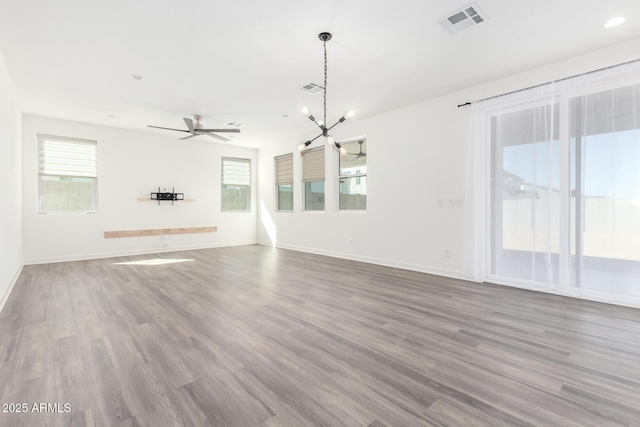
{"x": 325, "y": 37}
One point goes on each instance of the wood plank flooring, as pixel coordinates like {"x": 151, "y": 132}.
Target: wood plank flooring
{"x": 257, "y": 336}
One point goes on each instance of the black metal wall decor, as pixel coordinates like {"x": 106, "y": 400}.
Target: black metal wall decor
{"x": 166, "y": 196}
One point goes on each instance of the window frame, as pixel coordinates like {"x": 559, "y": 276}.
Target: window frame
{"x": 304, "y": 182}
{"x": 357, "y": 175}
{"x": 278, "y": 185}
{"x": 222, "y": 184}
{"x": 41, "y": 138}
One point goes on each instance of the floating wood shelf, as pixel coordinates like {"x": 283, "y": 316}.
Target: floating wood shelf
{"x": 158, "y": 232}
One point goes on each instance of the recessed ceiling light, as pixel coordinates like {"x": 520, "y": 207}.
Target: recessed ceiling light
{"x": 615, "y": 22}
{"x": 285, "y": 115}
{"x": 111, "y": 116}
{"x": 136, "y": 76}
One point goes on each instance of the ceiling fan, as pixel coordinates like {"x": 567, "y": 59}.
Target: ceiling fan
{"x": 196, "y": 129}
{"x": 359, "y": 153}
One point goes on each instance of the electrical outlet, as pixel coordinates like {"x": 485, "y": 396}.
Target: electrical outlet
{"x": 447, "y": 253}
{"x": 455, "y": 203}
{"x": 350, "y": 242}
{"x": 439, "y": 203}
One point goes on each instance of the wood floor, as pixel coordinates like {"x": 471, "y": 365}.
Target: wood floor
{"x": 257, "y": 336}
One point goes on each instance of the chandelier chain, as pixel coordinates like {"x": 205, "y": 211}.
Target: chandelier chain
{"x": 325, "y": 82}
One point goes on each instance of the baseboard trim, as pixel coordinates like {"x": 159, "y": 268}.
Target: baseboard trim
{"x": 146, "y": 251}
{"x": 377, "y": 261}
{"x": 5, "y": 297}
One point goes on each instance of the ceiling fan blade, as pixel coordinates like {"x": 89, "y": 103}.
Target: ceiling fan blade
{"x": 190, "y": 136}
{"x": 189, "y": 123}
{"x": 221, "y": 138}
{"x": 221, "y": 130}
{"x": 158, "y": 127}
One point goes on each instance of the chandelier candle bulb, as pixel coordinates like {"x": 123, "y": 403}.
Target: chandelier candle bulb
{"x": 304, "y": 145}
{"x": 306, "y": 111}
{"x": 348, "y": 114}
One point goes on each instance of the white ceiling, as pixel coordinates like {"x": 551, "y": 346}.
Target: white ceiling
{"x": 245, "y": 60}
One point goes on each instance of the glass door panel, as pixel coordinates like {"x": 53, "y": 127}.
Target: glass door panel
{"x": 605, "y": 191}
{"x": 525, "y": 194}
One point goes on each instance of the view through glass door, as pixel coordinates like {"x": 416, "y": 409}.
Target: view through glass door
{"x": 524, "y": 196}
{"x": 581, "y": 153}
{"x": 605, "y": 191}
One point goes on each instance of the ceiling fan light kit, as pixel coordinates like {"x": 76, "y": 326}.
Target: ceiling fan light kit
{"x": 325, "y": 37}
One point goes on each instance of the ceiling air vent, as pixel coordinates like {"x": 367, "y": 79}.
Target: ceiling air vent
{"x": 461, "y": 19}
{"x": 236, "y": 125}
{"x": 311, "y": 88}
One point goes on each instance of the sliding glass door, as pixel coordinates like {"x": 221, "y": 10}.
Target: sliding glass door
{"x": 563, "y": 192}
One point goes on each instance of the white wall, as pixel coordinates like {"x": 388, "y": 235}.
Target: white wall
{"x": 415, "y": 155}
{"x": 131, "y": 163}
{"x": 10, "y": 177}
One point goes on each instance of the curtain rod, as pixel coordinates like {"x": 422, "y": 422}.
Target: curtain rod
{"x": 551, "y": 82}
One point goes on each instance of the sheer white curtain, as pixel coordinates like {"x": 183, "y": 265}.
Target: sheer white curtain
{"x": 553, "y": 197}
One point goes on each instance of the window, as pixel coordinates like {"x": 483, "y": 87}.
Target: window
{"x": 353, "y": 176}
{"x": 313, "y": 179}
{"x": 236, "y": 184}
{"x": 284, "y": 182}
{"x": 67, "y": 175}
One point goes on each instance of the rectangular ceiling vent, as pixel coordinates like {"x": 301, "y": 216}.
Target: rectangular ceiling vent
{"x": 312, "y": 88}
{"x": 236, "y": 125}
{"x": 462, "y": 19}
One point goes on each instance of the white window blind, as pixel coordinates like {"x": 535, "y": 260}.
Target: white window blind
{"x": 284, "y": 169}
{"x": 313, "y": 165}
{"x": 67, "y": 157}
{"x": 236, "y": 172}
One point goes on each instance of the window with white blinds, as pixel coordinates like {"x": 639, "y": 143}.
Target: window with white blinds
{"x": 313, "y": 179}
{"x": 67, "y": 172}
{"x": 236, "y": 184}
{"x": 313, "y": 165}
{"x": 284, "y": 169}
{"x": 284, "y": 182}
